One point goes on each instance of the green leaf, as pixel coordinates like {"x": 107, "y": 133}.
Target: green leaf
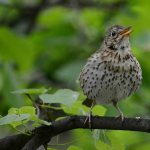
{"x": 99, "y": 110}
{"x": 26, "y": 110}
{"x": 102, "y": 146}
{"x": 77, "y": 108}
{"x": 72, "y": 147}
{"x": 96, "y": 134}
{"x": 19, "y": 114}
{"x": 116, "y": 142}
{"x": 23, "y": 110}
{"x": 51, "y": 149}
{"x": 13, "y": 118}
{"x": 143, "y": 146}
{"x": 99, "y": 134}
{"x": 64, "y": 96}
{"x": 31, "y": 91}
{"x": 13, "y": 111}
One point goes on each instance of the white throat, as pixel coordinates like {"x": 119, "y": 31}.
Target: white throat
{"x": 124, "y": 46}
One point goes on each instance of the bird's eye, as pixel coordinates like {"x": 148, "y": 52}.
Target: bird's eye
{"x": 113, "y": 34}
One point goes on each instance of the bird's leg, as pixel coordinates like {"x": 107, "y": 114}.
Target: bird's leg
{"x": 89, "y": 117}
{"x": 115, "y": 104}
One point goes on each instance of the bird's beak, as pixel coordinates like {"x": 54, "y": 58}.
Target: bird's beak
{"x": 126, "y": 31}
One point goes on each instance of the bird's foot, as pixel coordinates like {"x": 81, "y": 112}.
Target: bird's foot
{"x": 121, "y": 116}
{"x": 89, "y": 119}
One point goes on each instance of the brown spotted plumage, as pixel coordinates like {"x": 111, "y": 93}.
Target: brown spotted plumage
{"x": 112, "y": 73}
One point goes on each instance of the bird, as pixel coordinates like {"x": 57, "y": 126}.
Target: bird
{"x": 112, "y": 73}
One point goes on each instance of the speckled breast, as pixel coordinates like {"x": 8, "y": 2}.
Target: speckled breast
{"x": 107, "y": 80}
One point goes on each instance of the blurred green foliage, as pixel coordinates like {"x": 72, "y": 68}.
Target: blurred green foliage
{"x": 54, "y": 51}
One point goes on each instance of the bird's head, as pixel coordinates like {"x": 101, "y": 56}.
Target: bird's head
{"x": 117, "y": 38}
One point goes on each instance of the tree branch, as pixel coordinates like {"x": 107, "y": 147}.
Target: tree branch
{"x": 43, "y": 134}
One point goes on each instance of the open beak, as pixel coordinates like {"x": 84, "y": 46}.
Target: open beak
{"x": 126, "y": 31}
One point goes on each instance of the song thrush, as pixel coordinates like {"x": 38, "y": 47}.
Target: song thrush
{"x": 112, "y": 73}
